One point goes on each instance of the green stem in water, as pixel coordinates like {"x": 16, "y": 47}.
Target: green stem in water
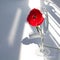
{"x": 38, "y": 28}
{"x": 42, "y": 39}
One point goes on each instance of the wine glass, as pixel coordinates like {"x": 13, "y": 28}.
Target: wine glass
{"x": 39, "y": 20}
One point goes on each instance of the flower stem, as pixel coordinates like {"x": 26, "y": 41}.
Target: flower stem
{"x": 39, "y": 30}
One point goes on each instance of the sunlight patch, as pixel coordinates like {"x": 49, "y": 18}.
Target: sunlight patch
{"x": 27, "y": 30}
{"x": 34, "y": 4}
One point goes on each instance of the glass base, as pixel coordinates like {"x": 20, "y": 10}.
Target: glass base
{"x": 43, "y": 52}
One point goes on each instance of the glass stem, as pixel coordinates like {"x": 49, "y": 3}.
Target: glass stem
{"x": 42, "y": 39}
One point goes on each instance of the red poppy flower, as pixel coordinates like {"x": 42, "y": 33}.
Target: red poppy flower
{"x": 35, "y": 17}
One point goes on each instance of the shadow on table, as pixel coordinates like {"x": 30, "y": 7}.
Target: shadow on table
{"x": 54, "y": 53}
{"x": 9, "y": 14}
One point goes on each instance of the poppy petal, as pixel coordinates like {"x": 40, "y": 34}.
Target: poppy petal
{"x": 35, "y": 17}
